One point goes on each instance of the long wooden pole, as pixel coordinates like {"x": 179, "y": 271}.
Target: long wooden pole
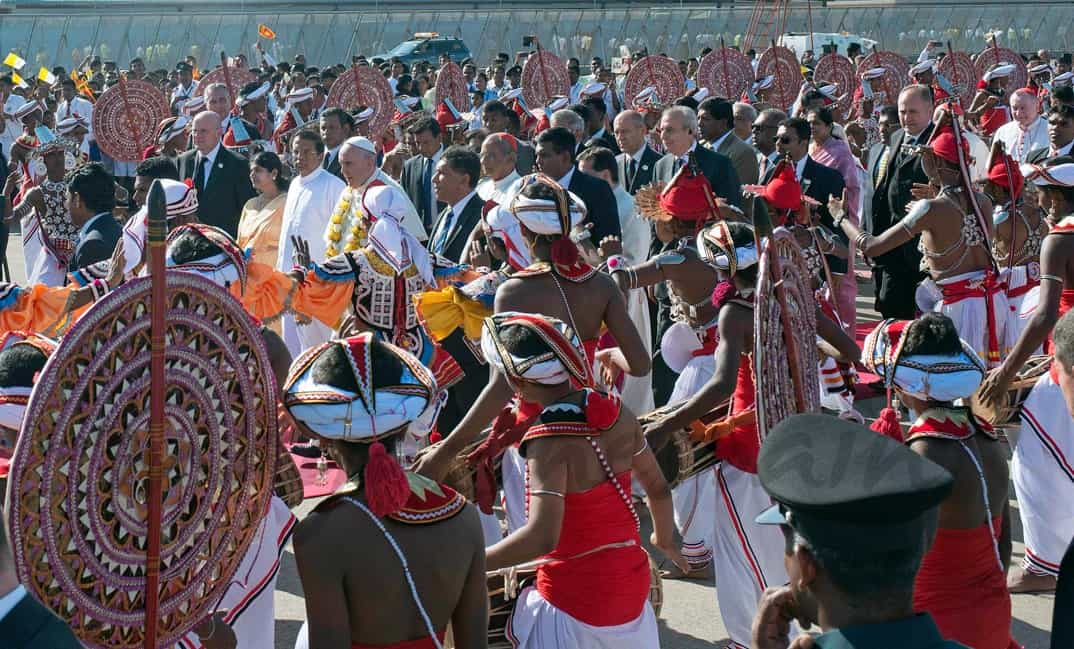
{"x": 227, "y": 79}
{"x": 156, "y": 232}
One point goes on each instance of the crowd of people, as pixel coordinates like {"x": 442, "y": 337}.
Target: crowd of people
{"x": 549, "y": 299}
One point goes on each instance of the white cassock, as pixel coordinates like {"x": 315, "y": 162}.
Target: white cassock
{"x": 310, "y": 202}
{"x": 637, "y": 391}
{"x": 42, "y": 266}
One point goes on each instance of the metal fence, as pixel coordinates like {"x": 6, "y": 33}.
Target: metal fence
{"x": 164, "y": 35}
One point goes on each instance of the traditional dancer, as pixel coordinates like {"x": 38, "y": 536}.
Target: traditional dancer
{"x": 955, "y": 243}
{"x": 962, "y": 580}
{"x": 361, "y": 396}
{"x": 747, "y": 556}
{"x": 581, "y": 522}
{"x": 1044, "y": 455}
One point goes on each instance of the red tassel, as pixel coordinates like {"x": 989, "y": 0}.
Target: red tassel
{"x": 723, "y": 292}
{"x": 435, "y": 437}
{"x": 386, "y": 486}
{"x": 887, "y": 424}
{"x": 601, "y": 410}
{"x": 564, "y": 252}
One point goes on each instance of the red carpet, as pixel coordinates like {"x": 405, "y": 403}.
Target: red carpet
{"x": 866, "y": 378}
{"x": 307, "y": 467}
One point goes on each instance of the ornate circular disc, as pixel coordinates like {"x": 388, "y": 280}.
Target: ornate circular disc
{"x": 653, "y": 70}
{"x": 77, "y": 508}
{"x": 894, "y": 79}
{"x": 993, "y": 55}
{"x": 838, "y": 69}
{"x": 239, "y": 78}
{"x": 782, "y": 64}
{"x": 451, "y": 83}
{"x": 544, "y": 77}
{"x": 726, "y": 73}
{"x": 125, "y": 118}
{"x": 958, "y": 68}
{"x": 776, "y": 392}
{"x": 364, "y": 86}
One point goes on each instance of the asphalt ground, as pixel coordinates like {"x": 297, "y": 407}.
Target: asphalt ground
{"x": 690, "y": 618}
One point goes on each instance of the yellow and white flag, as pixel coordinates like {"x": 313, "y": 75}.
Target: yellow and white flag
{"x": 15, "y": 61}
{"x": 19, "y": 81}
{"x": 44, "y": 75}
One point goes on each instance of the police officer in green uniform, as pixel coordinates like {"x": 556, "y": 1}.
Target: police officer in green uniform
{"x": 859, "y": 511}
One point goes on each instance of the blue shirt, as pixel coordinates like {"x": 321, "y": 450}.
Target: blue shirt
{"x": 917, "y": 632}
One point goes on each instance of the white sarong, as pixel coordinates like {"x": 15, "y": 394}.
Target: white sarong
{"x": 1043, "y": 475}
{"x": 537, "y": 624}
{"x": 1023, "y": 295}
{"x": 970, "y": 314}
{"x": 748, "y": 556}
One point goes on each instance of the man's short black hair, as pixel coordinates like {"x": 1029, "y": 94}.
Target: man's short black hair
{"x": 310, "y": 134}
{"x": 157, "y": 167}
{"x": 94, "y": 185}
{"x": 496, "y": 106}
{"x": 891, "y": 112}
{"x": 718, "y": 109}
{"x": 346, "y": 120}
{"x": 560, "y": 139}
{"x": 1062, "y": 111}
{"x": 602, "y": 159}
{"x": 689, "y": 102}
{"x": 1064, "y": 94}
{"x": 463, "y": 160}
{"x": 425, "y": 124}
{"x": 581, "y": 110}
{"x": 596, "y": 104}
{"x": 799, "y": 126}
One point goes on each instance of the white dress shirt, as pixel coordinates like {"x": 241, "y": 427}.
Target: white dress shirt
{"x": 565, "y": 181}
{"x": 9, "y": 601}
{"x": 440, "y": 239}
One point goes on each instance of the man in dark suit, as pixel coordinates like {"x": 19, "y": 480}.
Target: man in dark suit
{"x": 417, "y": 178}
{"x": 637, "y": 160}
{"x": 455, "y": 182}
{"x": 678, "y": 129}
{"x": 555, "y": 158}
{"x": 1060, "y": 135}
{"x": 498, "y": 118}
{"x": 716, "y": 123}
{"x": 818, "y": 182}
{"x": 221, "y": 177}
{"x": 598, "y": 113}
{"x": 91, "y": 197}
{"x": 896, "y": 274}
{"x": 337, "y": 125}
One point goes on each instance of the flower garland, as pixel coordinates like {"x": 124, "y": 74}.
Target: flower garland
{"x": 344, "y": 219}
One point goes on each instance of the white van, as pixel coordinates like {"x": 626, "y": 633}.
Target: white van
{"x": 800, "y": 42}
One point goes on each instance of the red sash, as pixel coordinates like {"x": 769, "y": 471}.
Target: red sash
{"x": 971, "y": 288}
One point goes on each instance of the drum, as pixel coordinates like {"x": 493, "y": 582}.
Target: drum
{"x": 288, "y": 483}
{"x": 504, "y": 588}
{"x": 1004, "y": 413}
{"x": 460, "y": 475}
{"x": 681, "y": 458}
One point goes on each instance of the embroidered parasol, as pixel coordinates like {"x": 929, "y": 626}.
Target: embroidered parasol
{"x": 726, "y": 73}
{"x": 451, "y": 84}
{"x": 125, "y": 118}
{"x": 896, "y": 72}
{"x": 658, "y": 71}
{"x": 839, "y": 70}
{"x": 544, "y": 77}
{"x": 782, "y": 65}
{"x": 364, "y": 86}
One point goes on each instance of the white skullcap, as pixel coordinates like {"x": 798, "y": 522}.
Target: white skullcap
{"x": 558, "y": 103}
{"x": 27, "y": 109}
{"x": 592, "y": 88}
{"x": 999, "y": 72}
{"x": 71, "y": 123}
{"x": 701, "y": 95}
{"x": 363, "y": 116}
{"x": 256, "y": 94}
{"x": 1063, "y": 78}
{"x": 299, "y": 96}
{"x": 764, "y": 83}
{"x": 927, "y": 64}
{"x": 363, "y": 143}
{"x": 542, "y": 216}
{"x": 511, "y": 95}
{"x": 1061, "y": 175}
{"x": 194, "y": 104}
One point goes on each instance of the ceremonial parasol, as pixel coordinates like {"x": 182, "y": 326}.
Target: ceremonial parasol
{"x": 232, "y": 77}
{"x": 125, "y": 118}
{"x": 364, "y": 86}
{"x": 841, "y": 71}
{"x": 996, "y": 55}
{"x": 958, "y": 68}
{"x": 726, "y": 73}
{"x": 544, "y": 77}
{"x": 785, "y": 360}
{"x": 451, "y": 84}
{"x": 658, "y": 71}
{"x": 781, "y": 63}
{"x": 146, "y": 459}
{"x": 896, "y": 74}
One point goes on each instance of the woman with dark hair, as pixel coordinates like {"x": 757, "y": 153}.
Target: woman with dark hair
{"x": 262, "y": 216}
{"x": 962, "y": 580}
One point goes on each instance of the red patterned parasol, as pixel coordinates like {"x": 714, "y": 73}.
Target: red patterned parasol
{"x": 896, "y": 75}
{"x": 234, "y": 78}
{"x": 654, "y": 70}
{"x": 726, "y": 73}
{"x": 451, "y": 84}
{"x": 125, "y": 118}
{"x": 81, "y": 483}
{"x": 544, "y": 77}
{"x": 838, "y": 69}
{"x": 958, "y": 68}
{"x": 364, "y": 86}
{"x": 781, "y": 63}
{"x": 1001, "y": 55}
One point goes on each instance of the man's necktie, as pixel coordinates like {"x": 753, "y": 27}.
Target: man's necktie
{"x": 427, "y": 193}
{"x": 632, "y": 172}
{"x": 327, "y": 161}
{"x": 199, "y": 174}
{"x": 445, "y": 229}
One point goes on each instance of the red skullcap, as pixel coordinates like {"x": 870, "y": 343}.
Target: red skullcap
{"x": 511, "y": 140}
{"x": 689, "y": 198}
{"x": 943, "y": 145}
{"x": 997, "y": 174}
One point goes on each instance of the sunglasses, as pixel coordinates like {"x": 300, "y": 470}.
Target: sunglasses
{"x": 785, "y": 140}
{"x": 762, "y": 127}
